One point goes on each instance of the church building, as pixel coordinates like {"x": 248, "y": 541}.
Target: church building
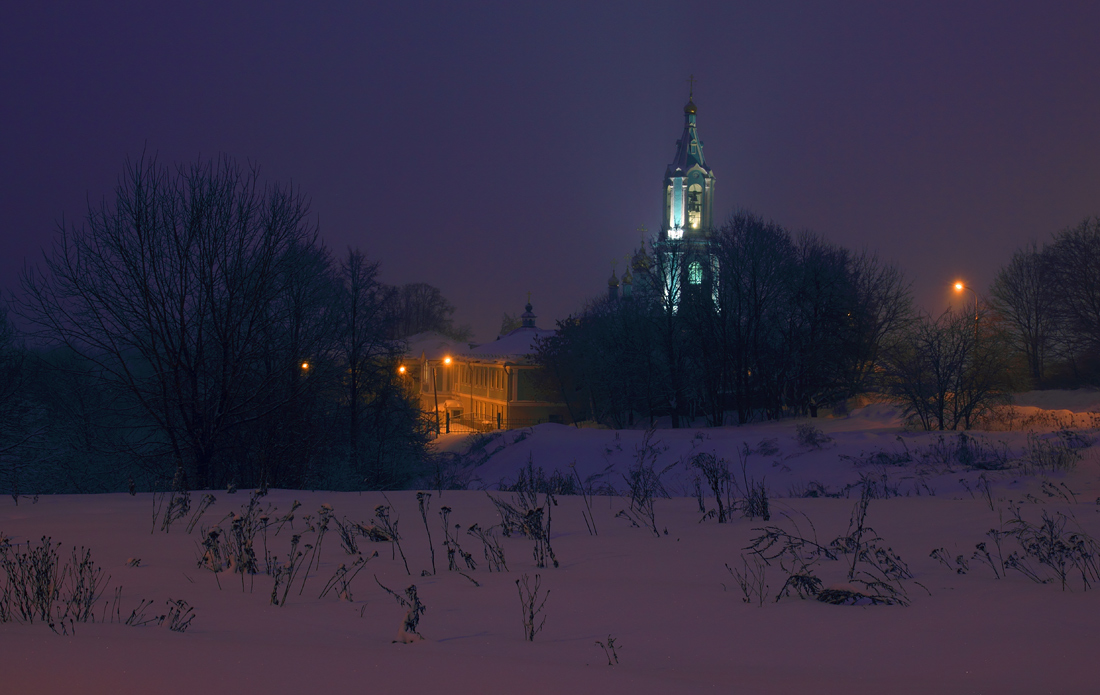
{"x": 681, "y": 260}
{"x": 495, "y": 385}
{"x": 688, "y": 186}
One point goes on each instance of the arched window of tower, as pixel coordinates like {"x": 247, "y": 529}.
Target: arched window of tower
{"x": 695, "y": 205}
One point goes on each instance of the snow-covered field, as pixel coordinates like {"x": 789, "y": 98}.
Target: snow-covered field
{"x": 678, "y": 617}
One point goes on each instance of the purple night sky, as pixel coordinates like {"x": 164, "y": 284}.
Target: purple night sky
{"x": 495, "y": 148}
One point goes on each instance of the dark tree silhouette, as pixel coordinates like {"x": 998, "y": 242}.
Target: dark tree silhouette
{"x": 419, "y": 307}
{"x": 168, "y": 291}
{"x": 1024, "y": 293}
{"x": 1074, "y": 260}
{"x": 945, "y": 372}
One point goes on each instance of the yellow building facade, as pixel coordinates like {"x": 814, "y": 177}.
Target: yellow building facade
{"x": 478, "y": 388}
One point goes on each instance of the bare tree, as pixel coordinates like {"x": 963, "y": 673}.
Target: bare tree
{"x": 509, "y": 323}
{"x": 755, "y": 259}
{"x": 815, "y": 324}
{"x": 882, "y": 307}
{"x": 299, "y": 337}
{"x": 1024, "y": 294}
{"x": 668, "y": 278}
{"x": 376, "y": 401}
{"x": 1075, "y": 271}
{"x": 946, "y": 372}
{"x": 419, "y": 307}
{"x": 167, "y": 290}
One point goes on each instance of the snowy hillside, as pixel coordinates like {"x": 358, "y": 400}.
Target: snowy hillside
{"x": 951, "y": 583}
{"x": 835, "y": 454}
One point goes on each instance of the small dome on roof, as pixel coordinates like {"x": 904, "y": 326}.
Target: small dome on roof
{"x": 528, "y": 317}
{"x": 690, "y": 108}
{"x": 613, "y": 281}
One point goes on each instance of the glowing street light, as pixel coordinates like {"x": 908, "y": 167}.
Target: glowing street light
{"x": 435, "y": 395}
{"x": 305, "y": 366}
{"x": 401, "y": 370}
{"x": 960, "y": 286}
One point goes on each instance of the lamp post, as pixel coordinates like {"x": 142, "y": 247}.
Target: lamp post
{"x": 435, "y": 395}
{"x": 470, "y": 376}
{"x": 435, "y": 392}
{"x": 960, "y": 286}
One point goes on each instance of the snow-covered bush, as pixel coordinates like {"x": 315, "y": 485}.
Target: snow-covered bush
{"x": 532, "y": 600}
{"x": 413, "y": 610}
{"x": 526, "y": 517}
{"x": 1064, "y": 552}
{"x": 753, "y": 494}
{"x": 37, "y": 586}
{"x": 970, "y": 451}
{"x": 1059, "y": 451}
{"x": 875, "y": 573}
{"x": 1045, "y": 553}
{"x": 716, "y": 470}
{"x": 810, "y": 437}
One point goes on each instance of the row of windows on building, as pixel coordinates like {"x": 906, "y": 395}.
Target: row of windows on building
{"x": 487, "y": 411}
{"x": 482, "y": 377}
{"x": 463, "y": 375}
{"x": 457, "y": 378}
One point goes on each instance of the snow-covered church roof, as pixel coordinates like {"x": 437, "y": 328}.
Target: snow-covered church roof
{"x": 519, "y": 344}
{"x": 515, "y": 346}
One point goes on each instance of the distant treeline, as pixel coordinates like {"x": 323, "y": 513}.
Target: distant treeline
{"x": 1049, "y": 296}
{"x": 755, "y": 322}
{"x": 193, "y": 331}
{"x": 752, "y": 322}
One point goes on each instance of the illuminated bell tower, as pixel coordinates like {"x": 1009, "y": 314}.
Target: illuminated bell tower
{"x": 689, "y": 186}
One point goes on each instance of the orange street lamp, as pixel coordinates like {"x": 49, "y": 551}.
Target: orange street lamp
{"x": 960, "y": 286}
{"x": 435, "y": 396}
{"x": 401, "y": 372}
{"x": 305, "y": 366}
